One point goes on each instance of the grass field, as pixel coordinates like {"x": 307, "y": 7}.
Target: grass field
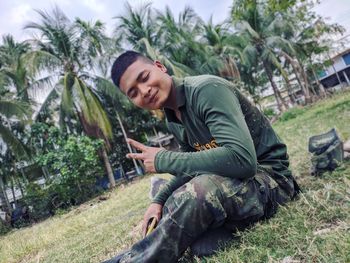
{"x": 314, "y": 228}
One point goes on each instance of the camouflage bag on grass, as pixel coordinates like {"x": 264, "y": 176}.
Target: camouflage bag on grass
{"x": 327, "y": 152}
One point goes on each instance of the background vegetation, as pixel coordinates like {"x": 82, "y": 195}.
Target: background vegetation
{"x": 314, "y": 228}
{"x": 54, "y": 152}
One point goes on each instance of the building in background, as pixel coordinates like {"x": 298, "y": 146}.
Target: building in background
{"x": 337, "y": 75}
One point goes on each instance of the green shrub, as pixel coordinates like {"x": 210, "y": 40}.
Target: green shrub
{"x": 74, "y": 166}
{"x": 38, "y": 198}
{"x": 4, "y": 228}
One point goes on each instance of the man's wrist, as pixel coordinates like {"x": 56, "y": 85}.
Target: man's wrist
{"x": 157, "y": 201}
{"x": 157, "y": 163}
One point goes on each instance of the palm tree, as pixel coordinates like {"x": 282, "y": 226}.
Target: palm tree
{"x": 11, "y": 110}
{"x": 258, "y": 31}
{"x": 20, "y": 111}
{"x": 138, "y": 28}
{"x": 137, "y": 24}
{"x": 3, "y": 195}
{"x": 12, "y": 65}
{"x": 305, "y": 32}
{"x": 179, "y": 38}
{"x": 67, "y": 51}
{"x": 223, "y": 46}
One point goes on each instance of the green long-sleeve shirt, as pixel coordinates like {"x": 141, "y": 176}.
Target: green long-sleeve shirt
{"x": 220, "y": 132}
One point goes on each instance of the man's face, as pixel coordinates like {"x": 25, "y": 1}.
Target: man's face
{"x": 147, "y": 85}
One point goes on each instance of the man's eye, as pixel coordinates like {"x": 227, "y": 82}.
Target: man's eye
{"x": 146, "y": 77}
{"x": 132, "y": 93}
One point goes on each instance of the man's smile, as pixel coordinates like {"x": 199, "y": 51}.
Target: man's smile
{"x": 153, "y": 97}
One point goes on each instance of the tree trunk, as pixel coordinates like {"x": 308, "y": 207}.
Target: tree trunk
{"x": 299, "y": 70}
{"x": 323, "y": 91}
{"x": 25, "y": 179}
{"x": 307, "y": 89}
{"x": 45, "y": 172}
{"x": 13, "y": 191}
{"x": 4, "y": 199}
{"x": 137, "y": 168}
{"x": 20, "y": 186}
{"x": 319, "y": 84}
{"x": 108, "y": 167}
{"x": 281, "y": 104}
{"x": 290, "y": 92}
{"x": 335, "y": 70}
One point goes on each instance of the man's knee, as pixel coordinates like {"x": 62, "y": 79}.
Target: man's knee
{"x": 199, "y": 200}
{"x": 200, "y": 189}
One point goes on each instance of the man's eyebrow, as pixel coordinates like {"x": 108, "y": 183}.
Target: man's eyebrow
{"x": 140, "y": 75}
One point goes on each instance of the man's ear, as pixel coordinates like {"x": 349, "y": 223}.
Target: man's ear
{"x": 159, "y": 65}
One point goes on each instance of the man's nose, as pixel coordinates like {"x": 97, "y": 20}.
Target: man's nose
{"x": 145, "y": 90}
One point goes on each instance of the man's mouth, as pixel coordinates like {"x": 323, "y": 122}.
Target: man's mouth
{"x": 153, "y": 97}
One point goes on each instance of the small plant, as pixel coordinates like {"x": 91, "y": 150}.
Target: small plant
{"x": 292, "y": 114}
{"x": 269, "y": 113}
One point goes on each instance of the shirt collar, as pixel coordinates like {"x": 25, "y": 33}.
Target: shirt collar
{"x": 180, "y": 91}
{"x": 180, "y": 98}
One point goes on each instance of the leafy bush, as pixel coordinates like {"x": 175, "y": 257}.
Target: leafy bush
{"x": 74, "y": 166}
{"x": 4, "y": 228}
{"x": 39, "y": 199}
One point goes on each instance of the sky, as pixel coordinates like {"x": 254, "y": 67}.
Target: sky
{"x": 15, "y": 14}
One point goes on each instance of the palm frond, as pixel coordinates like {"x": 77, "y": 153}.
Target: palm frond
{"x": 91, "y": 110}
{"x": 244, "y": 26}
{"x": 39, "y": 60}
{"x": 50, "y": 97}
{"x": 67, "y": 104}
{"x": 107, "y": 88}
{"x": 17, "y": 148}
{"x": 11, "y": 108}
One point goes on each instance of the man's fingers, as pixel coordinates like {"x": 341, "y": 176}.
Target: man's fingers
{"x": 144, "y": 228}
{"x": 137, "y": 145}
{"x": 149, "y": 225}
{"x": 136, "y": 156}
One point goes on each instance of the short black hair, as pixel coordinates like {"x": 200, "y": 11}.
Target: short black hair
{"x": 122, "y": 62}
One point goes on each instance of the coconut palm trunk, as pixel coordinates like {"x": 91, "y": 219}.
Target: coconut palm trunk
{"x": 137, "y": 168}
{"x": 319, "y": 84}
{"x": 291, "y": 94}
{"x": 6, "y": 206}
{"x": 298, "y": 70}
{"x": 108, "y": 167}
{"x": 308, "y": 98}
{"x": 281, "y": 104}
{"x": 13, "y": 190}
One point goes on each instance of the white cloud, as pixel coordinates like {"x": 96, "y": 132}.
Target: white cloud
{"x": 20, "y": 14}
{"x": 14, "y": 14}
{"x": 335, "y": 11}
{"x": 95, "y": 6}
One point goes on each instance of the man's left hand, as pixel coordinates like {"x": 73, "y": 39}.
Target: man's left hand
{"x": 147, "y": 154}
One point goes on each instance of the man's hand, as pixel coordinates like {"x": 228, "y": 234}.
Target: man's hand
{"x": 154, "y": 210}
{"x": 147, "y": 154}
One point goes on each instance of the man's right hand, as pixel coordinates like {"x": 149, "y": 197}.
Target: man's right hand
{"x": 154, "y": 210}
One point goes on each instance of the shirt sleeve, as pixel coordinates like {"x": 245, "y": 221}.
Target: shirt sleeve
{"x": 176, "y": 181}
{"x": 170, "y": 187}
{"x": 218, "y": 107}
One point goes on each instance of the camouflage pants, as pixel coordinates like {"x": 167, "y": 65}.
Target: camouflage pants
{"x": 207, "y": 202}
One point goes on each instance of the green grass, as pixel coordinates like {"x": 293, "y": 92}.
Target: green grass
{"x": 314, "y": 228}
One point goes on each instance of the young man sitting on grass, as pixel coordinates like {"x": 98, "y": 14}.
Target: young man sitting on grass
{"x": 232, "y": 170}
